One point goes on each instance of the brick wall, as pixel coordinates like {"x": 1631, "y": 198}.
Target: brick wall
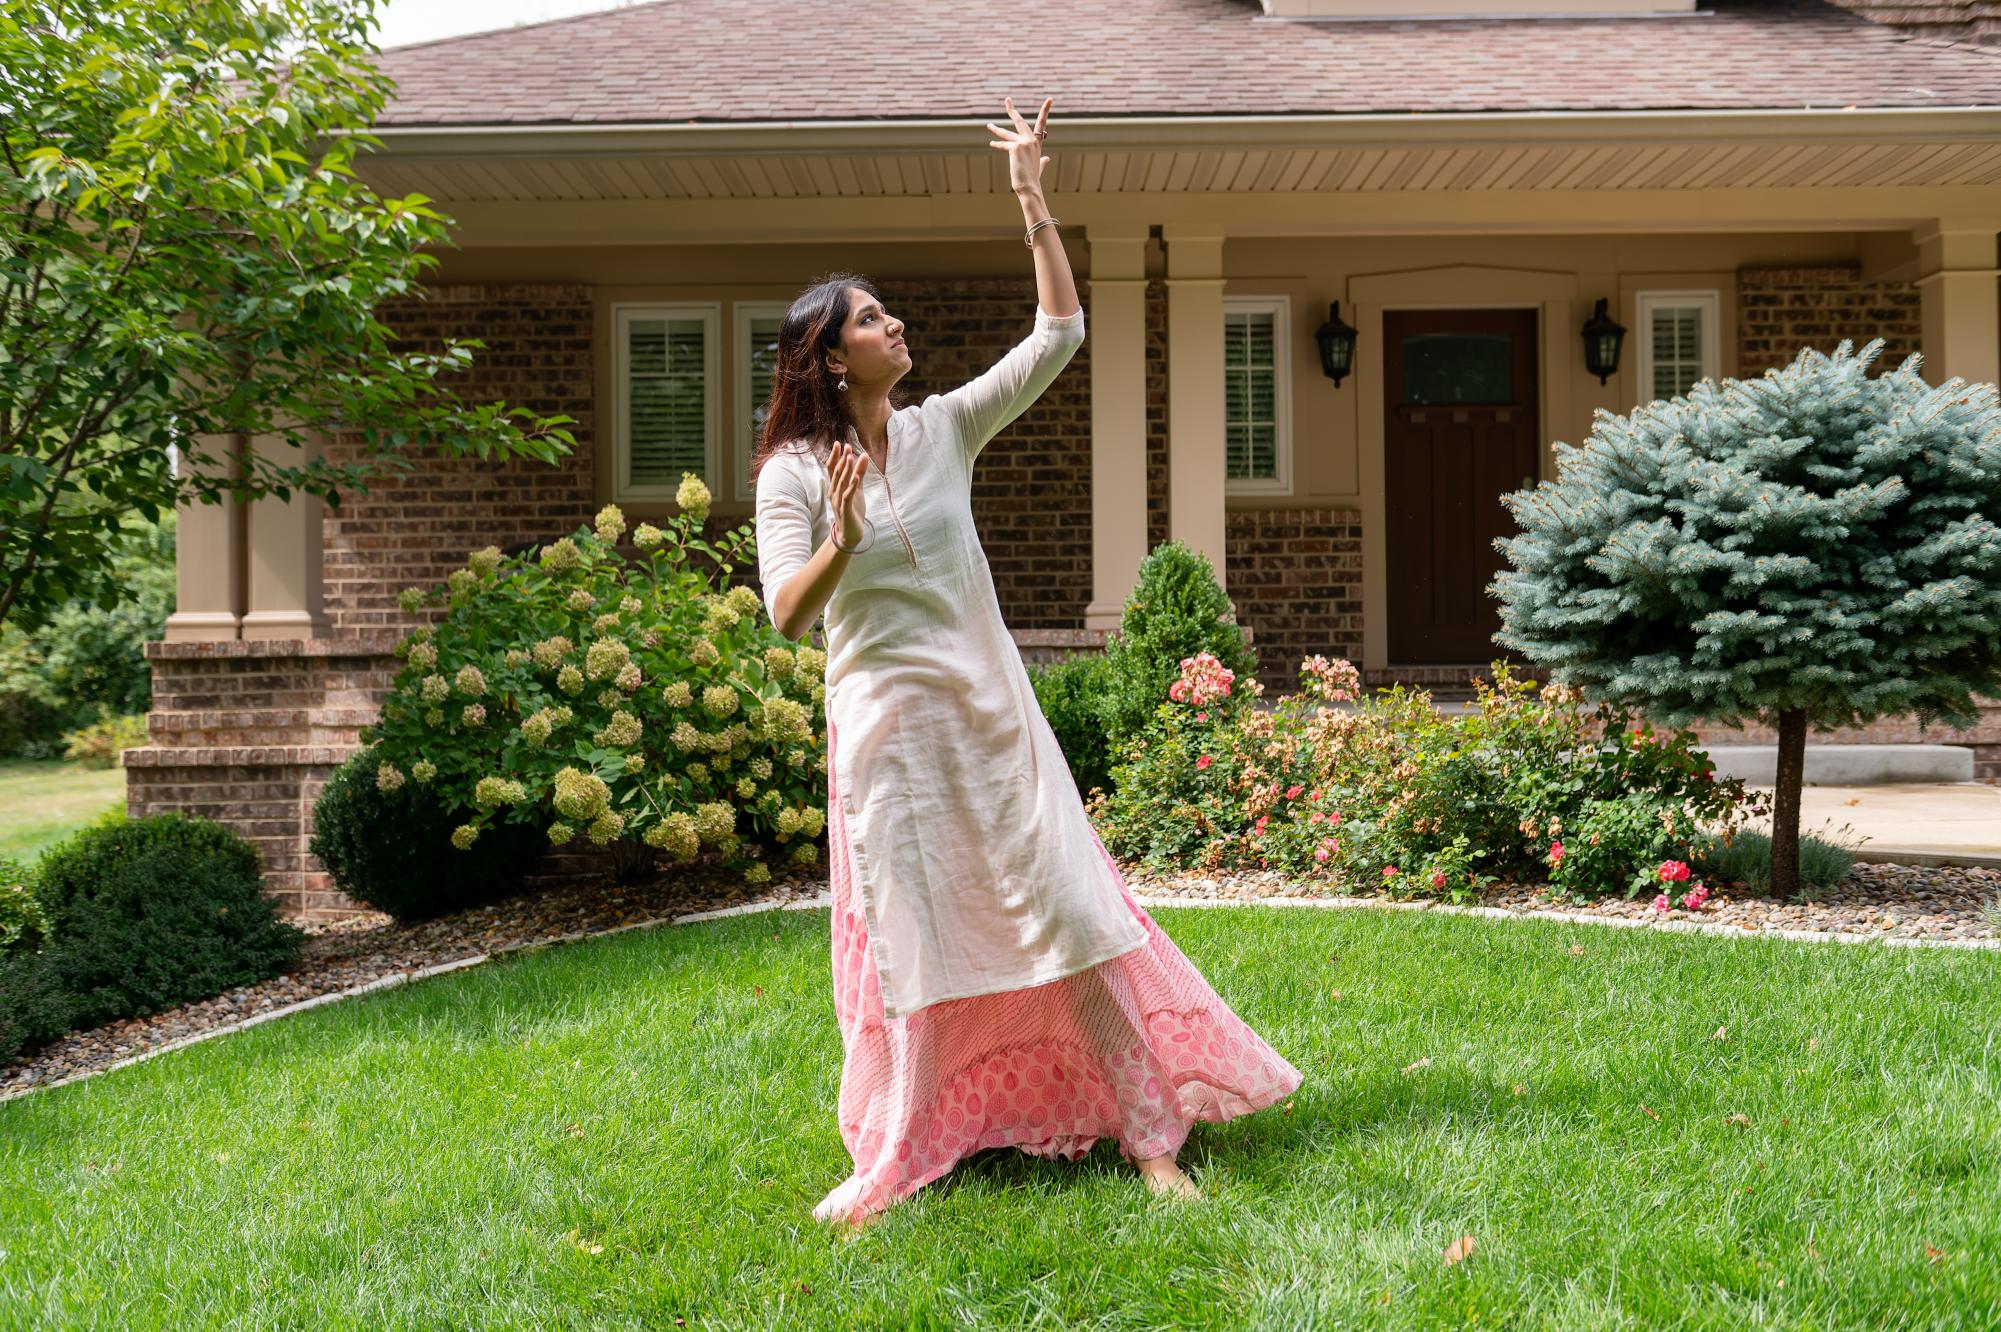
{"x": 415, "y": 527}
{"x": 1296, "y": 576}
{"x": 1781, "y": 310}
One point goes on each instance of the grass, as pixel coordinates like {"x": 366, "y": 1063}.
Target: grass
{"x": 624, "y": 1132}
{"x": 43, "y": 801}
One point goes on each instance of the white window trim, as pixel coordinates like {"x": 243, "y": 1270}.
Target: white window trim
{"x": 746, "y": 441}
{"x": 622, "y": 315}
{"x": 1646, "y": 302}
{"x": 1280, "y": 309}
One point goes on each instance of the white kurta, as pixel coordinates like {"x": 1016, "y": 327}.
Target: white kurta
{"x": 972, "y": 855}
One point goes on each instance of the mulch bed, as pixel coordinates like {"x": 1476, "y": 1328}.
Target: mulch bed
{"x": 1876, "y": 900}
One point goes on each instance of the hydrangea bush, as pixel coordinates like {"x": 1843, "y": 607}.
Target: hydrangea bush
{"x": 613, "y": 699}
{"x": 1386, "y": 792}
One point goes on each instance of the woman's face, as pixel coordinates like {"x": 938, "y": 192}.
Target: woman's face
{"x": 872, "y": 349}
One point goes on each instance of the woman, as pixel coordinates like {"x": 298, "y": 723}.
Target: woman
{"x": 995, "y": 983}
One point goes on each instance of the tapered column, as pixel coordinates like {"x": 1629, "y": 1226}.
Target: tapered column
{"x": 1117, "y": 289}
{"x": 1196, "y": 424}
{"x": 286, "y": 557}
{"x": 208, "y": 556}
{"x": 1962, "y": 311}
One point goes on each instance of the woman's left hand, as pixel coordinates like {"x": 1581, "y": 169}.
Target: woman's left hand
{"x": 1024, "y": 147}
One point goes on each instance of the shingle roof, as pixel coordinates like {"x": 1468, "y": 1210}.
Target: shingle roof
{"x": 762, "y": 60}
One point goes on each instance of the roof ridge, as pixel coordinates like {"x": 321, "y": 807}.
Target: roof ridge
{"x": 464, "y": 37}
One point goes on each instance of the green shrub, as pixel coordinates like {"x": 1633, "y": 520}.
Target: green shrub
{"x": 1071, "y": 695}
{"x": 582, "y": 693}
{"x": 35, "y": 1009}
{"x": 87, "y": 660}
{"x": 155, "y": 912}
{"x": 22, "y": 924}
{"x": 1391, "y": 793}
{"x": 103, "y": 743}
{"x": 1747, "y": 859}
{"x": 1176, "y": 612}
{"x": 392, "y": 849}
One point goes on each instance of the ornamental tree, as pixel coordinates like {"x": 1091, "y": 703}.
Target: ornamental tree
{"x": 1816, "y": 547}
{"x": 186, "y": 253}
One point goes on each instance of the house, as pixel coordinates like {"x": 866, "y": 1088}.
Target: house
{"x": 1464, "y": 183}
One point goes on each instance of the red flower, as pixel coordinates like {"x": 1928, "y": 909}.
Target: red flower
{"x": 1673, "y": 871}
{"x": 1203, "y": 762}
{"x": 1438, "y": 878}
{"x": 1292, "y": 792}
{"x": 1556, "y": 853}
{"x": 1389, "y": 871}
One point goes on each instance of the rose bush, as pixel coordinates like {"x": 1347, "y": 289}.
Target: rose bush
{"x": 614, "y": 700}
{"x": 1389, "y": 793}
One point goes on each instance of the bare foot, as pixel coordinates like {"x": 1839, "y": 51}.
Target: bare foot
{"x": 1166, "y": 1178}
{"x": 847, "y": 1227}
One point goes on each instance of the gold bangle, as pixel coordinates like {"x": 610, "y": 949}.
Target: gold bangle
{"x": 1029, "y": 239}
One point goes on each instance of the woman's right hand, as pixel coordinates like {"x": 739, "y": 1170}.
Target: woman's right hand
{"x": 844, "y": 470}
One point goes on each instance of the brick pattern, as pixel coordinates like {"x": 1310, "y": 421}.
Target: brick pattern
{"x": 413, "y": 528}
{"x": 711, "y": 60}
{"x": 1977, "y": 21}
{"x": 1296, "y": 575}
{"x": 1781, "y": 310}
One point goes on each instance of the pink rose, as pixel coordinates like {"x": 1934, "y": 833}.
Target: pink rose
{"x": 1201, "y": 716}
{"x": 1292, "y": 792}
{"x": 1673, "y": 871}
{"x": 1661, "y": 903}
{"x": 1317, "y": 817}
{"x": 1389, "y": 871}
{"x": 1203, "y": 762}
{"x": 1696, "y": 897}
{"x": 1556, "y": 853}
{"x": 1438, "y": 878}
{"x": 1321, "y": 854}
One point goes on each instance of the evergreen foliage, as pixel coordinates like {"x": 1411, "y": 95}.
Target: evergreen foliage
{"x": 1814, "y": 547}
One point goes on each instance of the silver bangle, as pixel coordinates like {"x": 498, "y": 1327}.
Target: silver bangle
{"x": 834, "y": 537}
{"x": 1029, "y": 239}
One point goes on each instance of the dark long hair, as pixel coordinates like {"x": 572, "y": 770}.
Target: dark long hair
{"x": 806, "y": 412}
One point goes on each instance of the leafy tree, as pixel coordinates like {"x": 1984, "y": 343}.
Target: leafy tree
{"x": 1813, "y": 547}
{"x": 186, "y": 253}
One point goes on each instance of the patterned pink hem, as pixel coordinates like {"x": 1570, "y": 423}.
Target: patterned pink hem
{"x": 1138, "y": 1048}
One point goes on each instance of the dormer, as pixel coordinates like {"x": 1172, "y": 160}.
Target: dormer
{"x": 1464, "y": 9}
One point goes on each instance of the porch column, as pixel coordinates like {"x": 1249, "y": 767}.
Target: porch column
{"x": 1196, "y": 423}
{"x": 1962, "y": 314}
{"x": 1117, "y": 291}
{"x": 208, "y": 558}
{"x": 285, "y": 555}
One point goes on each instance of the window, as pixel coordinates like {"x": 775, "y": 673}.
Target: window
{"x": 664, "y": 399}
{"x": 1257, "y": 395}
{"x": 755, "y": 365}
{"x": 1677, "y": 341}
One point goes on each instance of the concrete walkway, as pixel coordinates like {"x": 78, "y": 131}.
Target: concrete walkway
{"x": 1915, "y": 823}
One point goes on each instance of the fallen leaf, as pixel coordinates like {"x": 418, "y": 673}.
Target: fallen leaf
{"x": 576, "y": 1130}
{"x": 1722, "y": 1034}
{"x": 1741, "y": 1121}
{"x": 1385, "y": 1299}
{"x": 1812, "y": 1043}
{"x": 757, "y": 991}
{"x": 1647, "y": 1110}
{"x": 222, "y": 1156}
{"x": 1458, "y": 1250}
{"x": 1337, "y": 996}
{"x": 1936, "y": 1255}
{"x": 1288, "y": 1108}
{"x": 1811, "y": 1251}
{"x": 1520, "y": 1090}
{"x": 1577, "y": 950}
{"x": 1422, "y": 1063}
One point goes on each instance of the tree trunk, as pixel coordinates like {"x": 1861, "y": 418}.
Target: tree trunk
{"x": 1786, "y": 804}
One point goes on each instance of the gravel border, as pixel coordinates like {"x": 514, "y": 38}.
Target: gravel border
{"x": 1895, "y": 905}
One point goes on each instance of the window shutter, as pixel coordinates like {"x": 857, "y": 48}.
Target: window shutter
{"x": 1250, "y": 392}
{"x": 1677, "y": 353}
{"x": 667, "y": 401}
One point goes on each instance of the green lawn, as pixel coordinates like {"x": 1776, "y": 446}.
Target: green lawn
{"x": 43, "y": 801}
{"x": 454, "y": 1152}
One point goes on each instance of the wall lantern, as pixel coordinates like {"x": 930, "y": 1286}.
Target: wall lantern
{"x": 1337, "y": 345}
{"x": 1602, "y": 338}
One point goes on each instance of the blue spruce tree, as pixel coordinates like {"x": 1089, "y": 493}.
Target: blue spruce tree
{"x": 1817, "y": 547}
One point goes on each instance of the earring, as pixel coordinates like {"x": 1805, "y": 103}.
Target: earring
{"x": 843, "y": 385}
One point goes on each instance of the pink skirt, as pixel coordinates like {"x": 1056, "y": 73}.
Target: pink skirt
{"x": 1137, "y": 1049}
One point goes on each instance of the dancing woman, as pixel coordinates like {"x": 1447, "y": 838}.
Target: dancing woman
{"x": 995, "y": 983}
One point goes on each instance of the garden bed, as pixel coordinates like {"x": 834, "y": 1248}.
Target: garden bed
{"x": 1924, "y": 905}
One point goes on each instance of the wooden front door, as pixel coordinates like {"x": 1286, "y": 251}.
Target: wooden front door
{"x": 1460, "y": 430}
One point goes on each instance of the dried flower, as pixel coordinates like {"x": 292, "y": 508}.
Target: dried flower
{"x": 473, "y": 714}
{"x": 581, "y": 796}
{"x": 470, "y": 680}
{"x": 423, "y": 655}
{"x": 570, "y": 680}
{"x": 610, "y": 524}
{"x": 434, "y": 689}
{"x": 388, "y": 777}
{"x": 621, "y": 731}
{"x": 549, "y": 653}
{"x": 606, "y": 658}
